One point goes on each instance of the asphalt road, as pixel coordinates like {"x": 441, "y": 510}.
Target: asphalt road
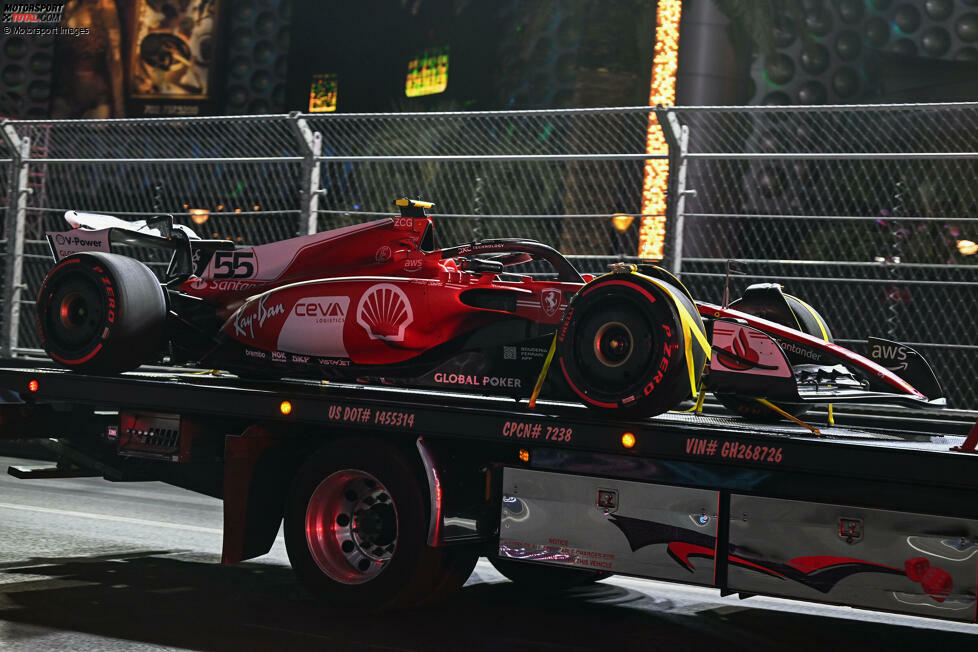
{"x": 90, "y": 565}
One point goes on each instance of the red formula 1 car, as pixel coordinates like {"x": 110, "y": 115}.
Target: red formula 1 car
{"x": 379, "y": 301}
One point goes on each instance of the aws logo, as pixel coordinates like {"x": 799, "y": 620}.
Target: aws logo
{"x": 325, "y": 310}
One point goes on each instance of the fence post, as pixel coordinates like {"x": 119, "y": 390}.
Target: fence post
{"x": 311, "y": 143}
{"x": 14, "y": 229}
{"x": 677, "y": 136}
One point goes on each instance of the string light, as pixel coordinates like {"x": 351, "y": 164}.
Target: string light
{"x": 967, "y": 247}
{"x": 652, "y": 230}
{"x": 199, "y": 215}
{"x": 622, "y": 221}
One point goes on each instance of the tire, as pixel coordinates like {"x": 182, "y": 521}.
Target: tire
{"x": 101, "y": 313}
{"x": 621, "y": 346}
{"x": 807, "y": 320}
{"x": 356, "y": 530}
{"x": 539, "y": 577}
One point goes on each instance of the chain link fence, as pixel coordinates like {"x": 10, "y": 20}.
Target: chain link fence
{"x": 557, "y": 176}
{"x": 867, "y": 213}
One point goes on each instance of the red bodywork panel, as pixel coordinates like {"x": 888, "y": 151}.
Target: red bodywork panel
{"x": 366, "y": 293}
{"x": 711, "y": 311}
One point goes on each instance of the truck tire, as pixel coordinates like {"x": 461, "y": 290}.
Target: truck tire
{"x": 621, "y": 346}
{"x": 807, "y": 320}
{"x": 101, "y": 313}
{"x": 540, "y": 577}
{"x": 356, "y": 530}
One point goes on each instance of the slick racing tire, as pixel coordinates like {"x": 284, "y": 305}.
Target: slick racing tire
{"x": 101, "y": 313}
{"x": 810, "y": 322}
{"x": 538, "y": 577}
{"x": 621, "y": 346}
{"x": 356, "y": 527}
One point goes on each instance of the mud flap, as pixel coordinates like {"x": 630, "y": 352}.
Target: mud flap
{"x": 258, "y": 471}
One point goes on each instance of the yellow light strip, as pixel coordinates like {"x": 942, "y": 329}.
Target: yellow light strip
{"x": 652, "y": 231}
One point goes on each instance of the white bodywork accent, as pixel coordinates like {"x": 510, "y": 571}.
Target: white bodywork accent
{"x": 93, "y": 221}
{"x": 66, "y": 243}
{"x": 385, "y": 312}
{"x": 315, "y": 327}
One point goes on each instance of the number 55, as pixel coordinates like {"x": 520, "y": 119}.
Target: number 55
{"x": 234, "y": 264}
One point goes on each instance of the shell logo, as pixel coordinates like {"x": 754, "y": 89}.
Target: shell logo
{"x": 385, "y": 312}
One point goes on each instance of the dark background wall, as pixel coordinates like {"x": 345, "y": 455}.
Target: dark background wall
{"x": 528, "y": 54}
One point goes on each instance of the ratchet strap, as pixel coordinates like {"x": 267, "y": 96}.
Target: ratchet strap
{"x": 543, "y": 372}
{"x": 791, "y": 417}
{"x": 691, "y": 330}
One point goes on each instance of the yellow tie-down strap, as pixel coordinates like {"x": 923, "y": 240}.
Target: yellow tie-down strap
{"x": 690, "y": 328}
{"x": 543, "y": 372}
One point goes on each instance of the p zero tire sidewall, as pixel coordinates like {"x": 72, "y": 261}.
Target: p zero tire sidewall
{"x": 664, "y": 381}
{"x": 76, "y": 270}
{"x": 132, "y": 308}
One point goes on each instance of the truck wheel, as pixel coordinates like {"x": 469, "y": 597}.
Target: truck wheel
{"x": 545, "y": 578}
{"x": 807, "y": 320}
{"x": 101, "y": 313}
{"x": 621, "y": 346}
{"x": 356, "y": 529}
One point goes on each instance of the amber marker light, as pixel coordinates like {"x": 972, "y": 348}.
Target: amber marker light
{"x": 33, "y": 386}
{"x": 285, "y": 408}
{"x": 628, "y": 440}
{"x": 524, "y": 455}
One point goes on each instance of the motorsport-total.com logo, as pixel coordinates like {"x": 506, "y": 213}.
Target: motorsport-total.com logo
{"x": 32, "y": 13}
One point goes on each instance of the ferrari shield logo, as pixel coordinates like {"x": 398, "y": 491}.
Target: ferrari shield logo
{"x": 550, "y": 301}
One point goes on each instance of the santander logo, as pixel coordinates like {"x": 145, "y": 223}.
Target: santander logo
{"x": 385, "y": 312}
{"x": 743, "y": 350}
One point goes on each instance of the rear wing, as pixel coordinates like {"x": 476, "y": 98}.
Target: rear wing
{"x": 93, "y": 232}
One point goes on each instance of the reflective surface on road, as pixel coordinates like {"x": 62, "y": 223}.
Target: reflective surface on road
{"x": 92, "y": 565}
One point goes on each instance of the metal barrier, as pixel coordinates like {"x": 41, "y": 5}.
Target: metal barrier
{"x": 866, "y": 212}
{"x": 558, "y": 176}
{"x": 859, "y": 210}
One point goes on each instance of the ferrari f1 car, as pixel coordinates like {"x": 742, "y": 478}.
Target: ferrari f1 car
{"x": 378, "y": 301}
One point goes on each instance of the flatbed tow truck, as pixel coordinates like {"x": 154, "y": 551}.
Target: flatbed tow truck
{"x": 389, "y": 495}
